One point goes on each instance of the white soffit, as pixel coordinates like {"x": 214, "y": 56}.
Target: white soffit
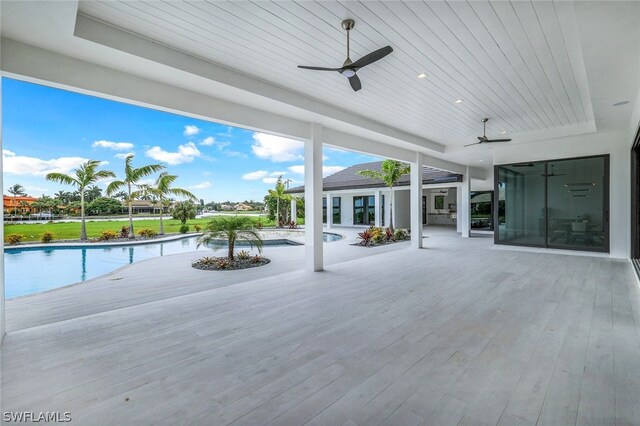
{"x": 519, "y": 63}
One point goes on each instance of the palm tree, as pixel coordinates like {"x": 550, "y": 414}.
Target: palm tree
{"x": 121, "y": 195}
{"x": 278, "y": 194}
{"x": 16, "y": 190}
{"x": 82, "y": 177}
{"x": 229, "y": 229}
{"x": 132, "y": 176}
{"x": 184, "y": 211}
{"x": 390, "y": 174}
{"x": 62, "y": 196}
{"x": 93, "y": 192}
{"x": 161, "y": 189}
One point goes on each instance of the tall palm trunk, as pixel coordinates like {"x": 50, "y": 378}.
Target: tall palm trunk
{"x": 83, "y": 226}
{"x": 161, "y": 211}
{"x": 230, "y": 249}
{"x": 131, "y": 234}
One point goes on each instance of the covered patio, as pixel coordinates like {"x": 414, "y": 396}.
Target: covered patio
{"x": 392, "y": 336}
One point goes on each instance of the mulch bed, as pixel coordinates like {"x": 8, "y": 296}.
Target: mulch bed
{"x": 214, "y": 263}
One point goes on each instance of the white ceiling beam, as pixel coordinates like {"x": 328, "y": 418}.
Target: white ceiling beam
{"x": 98, "y": 32}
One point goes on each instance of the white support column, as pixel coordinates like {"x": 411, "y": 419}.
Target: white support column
{"x": 416, "y": 202}
{"x": 378, "y": 210}
{"x": 459, "y": 208}
{"x": 329, "y": 211}
{"x": 294, "y": 210}
{"x": 392, "y": 208}
{"x": 464, "y": 210}
{"x": 313, "y": 199}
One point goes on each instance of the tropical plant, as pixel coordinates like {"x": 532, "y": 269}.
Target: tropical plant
{"x": 365, "y": 237}
{"x": 107, "y": 235}
{"x": 147, "y": 233}
{"x": 132, "y": 176}
{"x": 197, "y": 228}
{"x": 223, "y": 263}
{"x": 47, "y": 237}
{"x": 184, "y": 211}
{"x": 388, "y": 234}
{"x": 400, "y": 235}
{"x": 389, "y": 173}
{"x": 184, "y": 228}
{"x": 161, "y": 189}
{"x": 13, "y": 238}
{"x": 228, "y": 230}
{"x": 16, "y": 190}
{"x": 92, "y": 193}
{"x": 85, "y": 175}
{"x": 279, "y": 195}
{"x": 243, "y": 255}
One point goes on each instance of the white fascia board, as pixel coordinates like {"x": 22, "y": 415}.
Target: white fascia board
{"x": 356, "y": 143}
{"x": 104, "y": 34}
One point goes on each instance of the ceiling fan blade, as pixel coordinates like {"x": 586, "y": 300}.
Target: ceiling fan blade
{"x": 497, "y": 140}
{"x": 482, "y": 138}
{"x": 355, "y": 83}
{"x": 475, "y": 143}
{"x": 318, "y": 68}
{"x": 370, "y": 58}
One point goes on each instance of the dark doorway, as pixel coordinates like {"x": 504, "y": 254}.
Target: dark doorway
{"x": 635, "y": 202}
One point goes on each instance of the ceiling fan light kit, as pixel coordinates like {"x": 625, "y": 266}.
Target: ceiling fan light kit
{"x": 349, "y": 68}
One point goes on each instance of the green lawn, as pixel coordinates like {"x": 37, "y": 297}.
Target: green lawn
{"x": 71, "y": 230}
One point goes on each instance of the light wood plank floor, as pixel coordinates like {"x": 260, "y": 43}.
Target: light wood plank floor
{"x": 456, "y": 334}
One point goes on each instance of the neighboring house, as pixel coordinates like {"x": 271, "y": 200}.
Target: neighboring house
{"x": 18, "y": 205}
{"x": 354, "y": 198}
{"x": 143, "y": 206}
{"x": 242, "y": 207}
{"x": 226, "y": 207}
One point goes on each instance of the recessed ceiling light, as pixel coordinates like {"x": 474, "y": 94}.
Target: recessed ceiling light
{"x": 620, "y": 103}
{"x": 458, "y": 101}
{"x": 481, "y": 161}
{"x": 422, "y": 75}
{"x": 503, "y": 132}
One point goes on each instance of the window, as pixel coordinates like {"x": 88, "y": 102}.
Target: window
{"x": 336, "y": 213}
{"x": 324, "y": 209}
{"x": 438, "y": 202}
{"x": 556, "y": 203}
{"x": 482, "y": 210}
{"x": 364, "y": 210}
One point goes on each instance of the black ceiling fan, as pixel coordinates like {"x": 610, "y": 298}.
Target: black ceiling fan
{"x": 349, "y": 68}
{"x": 553, "y": 173}
{"x": 483, "y": 138}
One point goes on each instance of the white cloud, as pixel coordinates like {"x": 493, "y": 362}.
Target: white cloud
{"x": 208, "y": 141}
{"x": 32, "y": 189}
{"x": 124, "y": 155}
{"x": 23, "y": 165}
{"x": 258, "y": 174}
{"x": 116, "y": 146}
{"x": 185, "y": 154}
{"x": 201, "y": 185}
{"x": 326, "y": 170}
{"x": 276, "y": 148}
{"x": 239, "y": 154}
{"x": 191, "y": 130}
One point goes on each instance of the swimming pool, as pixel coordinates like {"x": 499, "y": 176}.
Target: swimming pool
{"x": 31, "y": 270}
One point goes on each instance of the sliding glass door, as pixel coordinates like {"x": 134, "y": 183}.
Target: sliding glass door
{"x": 557, "y": 204}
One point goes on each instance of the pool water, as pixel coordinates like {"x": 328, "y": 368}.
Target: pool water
{"x": 31, "y": 270}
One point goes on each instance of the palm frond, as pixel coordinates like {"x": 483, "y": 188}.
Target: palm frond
{"x": 62, "y": 178}
{"x": 115, "y": 186}
{"x": 180, "y": 193}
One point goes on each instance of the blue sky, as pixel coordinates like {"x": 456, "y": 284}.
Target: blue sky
{"x": 47, "y": 129}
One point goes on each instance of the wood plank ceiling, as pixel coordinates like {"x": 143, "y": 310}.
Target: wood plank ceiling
{"x": 519, "y": 62}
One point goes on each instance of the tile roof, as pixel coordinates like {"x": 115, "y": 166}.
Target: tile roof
{"x": 350, "y": 179}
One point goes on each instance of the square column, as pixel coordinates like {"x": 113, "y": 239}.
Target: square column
{"x": 313, "y": 200}
{"x": 464, "y": 210}
{"x": 459, "y": 209}
{"x": 329, "y": 211}
{"x": 2, "y": 326}
{"x": 294, "y": 210}
{"x": 416, "y": 202}
{"x": 378, "y": 209}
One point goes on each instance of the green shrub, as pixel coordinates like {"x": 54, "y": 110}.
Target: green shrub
{"x": 243, "y": 255}
{"x": 197, "y": 227}
{"x": 13, "y": 238}
{"x": 47, "y": 237}
{"x": 208, "y": 260}
{"x": 184, "y": 228}
{"x": 108, "y": 235}
{"x": 147, "y": 233}
{"x": 378, "y": 238}
{"x": 400, "y": 235}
